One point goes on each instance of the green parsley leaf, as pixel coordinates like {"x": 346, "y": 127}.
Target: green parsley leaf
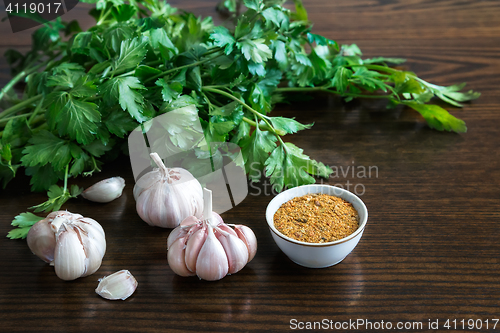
{"x": 370, "y": 80}
{"x": 341, "y": 78}
{"x": 168, "y": 91}
{"x": 114, "y": 36}
{"x": 42, "y": 177}
{"x": 81, "y": 43}
{"x": 132, "y": 51}
{"x": 159, "y": 37}
{"x": 78, "y": 119}
{"x": 301, "y": 160}
{"x": 300, "y": 11}
{"x": 288, "y": 125}
{"x": 18, "y": 233}
{"x": 97, "y": 148}
{"x": 255, "y": 150}
{"x": 180, "y": 102}
{"x": 217, "y": 130}
{"x": 438, "y": 118}
{"x": 288, "y": 167}
{"x": 276, "y": 17}
{"x": 280, "y": 54}
{"x": 79, "y": 164}
{"x": 84, "y": 87}
{"x": 225, "y": 110}
{"x": 123, "y": 12}
{"x": 320, "y": 40}
{"x": 125, "y": 90}
{"x": 223, "y": 38}
{"x": 144, "y": 72}
{"x": 242, "y": 131}
{"x": 25, "y": 220}
{"x": 256, "y": 5}
{"x": 45, "y": 148}
{"x": 255, "y": 50}
{"x": 405, "y": 83}
{"x": 57, "y": 197}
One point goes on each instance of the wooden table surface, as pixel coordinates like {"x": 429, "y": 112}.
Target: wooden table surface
{"x": 430, "y": 251}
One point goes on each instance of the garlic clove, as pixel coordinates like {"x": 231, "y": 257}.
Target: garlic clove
{"x": 42, "y": 240}
{"x": 95, "y": 234}
{"x": 178, "y": 232}
{"x": 217, "y": 219}
{"x": 212, "y": 261}
{"x": 189, "y": 220}
{"x": 193, "y": 247}
{"x": 93, "y": 259}
{"x": 226, "y": 228}
{"x": 119, "y": 285}
{"x": 105, "y": 191}
{"x": 248, "y": 237}
{"x": 175, "y": 257}
{"x": 236, "y": 251}
{"x": 69, "y": 255}
{"x": 94, "y": 250}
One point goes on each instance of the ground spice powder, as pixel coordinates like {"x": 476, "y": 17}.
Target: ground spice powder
{"x": 316, "y": 218}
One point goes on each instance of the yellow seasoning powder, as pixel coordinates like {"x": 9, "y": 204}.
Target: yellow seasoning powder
{"x": 316, "y": 218}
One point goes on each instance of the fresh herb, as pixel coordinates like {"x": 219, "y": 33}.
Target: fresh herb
{"x": 86, "y": 92}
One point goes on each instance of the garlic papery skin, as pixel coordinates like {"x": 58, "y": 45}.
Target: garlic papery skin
{"x": 106, "y": 190}
{"x": 208, "y": 247}
{"x": 117, "y": 286}
{"x": 166, "y": 196}
{"x": 78, "y": 245}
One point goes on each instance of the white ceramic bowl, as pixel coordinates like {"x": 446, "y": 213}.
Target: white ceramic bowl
{"x": 316, "y": 255}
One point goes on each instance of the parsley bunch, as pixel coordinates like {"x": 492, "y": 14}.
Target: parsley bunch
{"x": 84, "y": 93}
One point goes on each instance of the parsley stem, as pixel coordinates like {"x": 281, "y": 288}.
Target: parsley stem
{"x": 194, "y": 64}
{"x": 378, "y": 68}
{"x": 214, "y": 50}
{"x": 4, "y": 120}
{"x": 153, "y": 63}
{"x": 19, "y": 106}
{"x": 22, "y": 75}
{"x": 102, "y": 18}
{"x": 12, "y": 82}
{"x": 312, "y": 89}
{"x": 66, "y": 179}
{"x": 37, "y": 109}
{"x": 249, "y": 108}
{"x": 17, "y": 78}
{"x": 254, "y": 124}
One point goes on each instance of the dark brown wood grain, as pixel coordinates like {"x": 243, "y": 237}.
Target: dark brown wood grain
{"x": 430, "y": 249}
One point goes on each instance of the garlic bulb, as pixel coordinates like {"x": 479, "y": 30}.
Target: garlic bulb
{"x": 209, "y": 248}
{"x": 106, "y": 190}
{"x": 166, "y": 196}
{"x": 119, "y": 285}
{"x": 73, "y": 244}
